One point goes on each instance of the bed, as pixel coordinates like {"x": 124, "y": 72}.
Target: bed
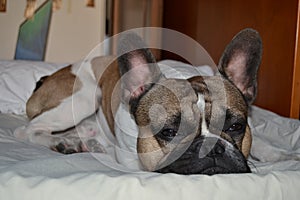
{"x": 30, "y": 171}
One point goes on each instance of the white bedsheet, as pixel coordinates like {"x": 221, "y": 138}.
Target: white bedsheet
{"x": 29, "y": 171}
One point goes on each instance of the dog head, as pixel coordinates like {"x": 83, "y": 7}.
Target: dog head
{"x": 197, "y": 125}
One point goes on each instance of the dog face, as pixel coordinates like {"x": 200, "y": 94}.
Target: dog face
{"x": 197, "y": 125}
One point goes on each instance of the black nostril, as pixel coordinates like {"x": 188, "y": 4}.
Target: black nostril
{"x": 218, "y": 149}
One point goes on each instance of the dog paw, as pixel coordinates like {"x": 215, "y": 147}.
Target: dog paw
{"x": 62, "y": 148}
{"x": 67, "y": 147}
{"x": 92, "y": 145}
{"x": 78, "y": 146}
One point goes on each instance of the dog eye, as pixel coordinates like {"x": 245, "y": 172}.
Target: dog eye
{"x": 236, "y": 127}
{"x": 167, "y": 134}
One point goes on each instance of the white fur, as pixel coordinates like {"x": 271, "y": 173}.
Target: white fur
{"x": 201, "y": 105}
{"x": 71, "y": 110}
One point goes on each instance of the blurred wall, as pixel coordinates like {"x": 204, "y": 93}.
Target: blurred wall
{"x": 74, "y": 31}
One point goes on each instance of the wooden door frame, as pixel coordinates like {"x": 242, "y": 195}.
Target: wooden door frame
{"x": 295, "y": 99}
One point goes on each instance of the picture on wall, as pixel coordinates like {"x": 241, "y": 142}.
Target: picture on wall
{"x": 33, "y": 34}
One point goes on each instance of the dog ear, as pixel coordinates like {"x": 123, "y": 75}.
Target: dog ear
{"x": 240, "y": 61}
{"x": 137, "y": 66}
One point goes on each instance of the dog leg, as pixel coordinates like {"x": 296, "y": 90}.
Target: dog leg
{"x": 68, "y": 142}
{"x": 82, "y": 138}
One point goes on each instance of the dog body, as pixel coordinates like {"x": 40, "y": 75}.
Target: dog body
{"x": 197, "y": 125}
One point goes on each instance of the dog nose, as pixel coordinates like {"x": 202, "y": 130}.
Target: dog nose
{"x": 211, "y": 147}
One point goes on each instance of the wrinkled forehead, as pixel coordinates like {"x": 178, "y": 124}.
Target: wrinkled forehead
{"x": 179, "y": 87}
{"x": 177, "y": 96}
{"x": 169, "y": 96}
{"x": 172, "y": 90}
{"x": 223, "y": 95}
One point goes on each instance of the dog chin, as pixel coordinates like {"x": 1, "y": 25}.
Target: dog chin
{"x": 207, "y": 170}
{"x": 211, "y": 170}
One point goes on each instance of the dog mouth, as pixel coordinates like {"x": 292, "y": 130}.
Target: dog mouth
{"x": 229, "y": 160}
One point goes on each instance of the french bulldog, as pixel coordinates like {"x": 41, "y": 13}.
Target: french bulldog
{"x": 193, "y": 126}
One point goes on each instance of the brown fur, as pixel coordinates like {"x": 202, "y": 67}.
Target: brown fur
{"x": 166, "y": 101}
{"x": 62, "y": 85}
{"x": 107, "y": 72}
{"x": 57, "y": 88}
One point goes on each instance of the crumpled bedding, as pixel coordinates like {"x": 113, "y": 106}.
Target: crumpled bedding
{"x": 33, "y": 172}
{"x": 30, "y": 171}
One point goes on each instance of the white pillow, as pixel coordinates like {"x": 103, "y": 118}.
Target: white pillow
{"x": 17, "y": 82}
